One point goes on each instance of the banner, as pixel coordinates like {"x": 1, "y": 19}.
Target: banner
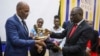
{"x": 91, "y": 10}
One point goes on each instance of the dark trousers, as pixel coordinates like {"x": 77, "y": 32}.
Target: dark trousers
{"x": 34, "y": 52}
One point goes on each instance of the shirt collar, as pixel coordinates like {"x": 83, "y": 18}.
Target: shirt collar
{"x": 19, "y": 18}
{"x": 58, "y": 28}
{"x": 80, "y": 22}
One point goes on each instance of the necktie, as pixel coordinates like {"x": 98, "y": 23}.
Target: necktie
{"x": 73, "y": 30}
{"x": 24, "y": 25}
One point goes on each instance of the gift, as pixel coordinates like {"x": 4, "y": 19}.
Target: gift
{"x": 42, "y": 34}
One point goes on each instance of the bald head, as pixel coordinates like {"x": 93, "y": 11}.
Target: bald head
{"x": 21, "y": 4}
{"x": 78, "y": 10}
{"x": 76, "y": 14}
{"x": 22, "y": 9}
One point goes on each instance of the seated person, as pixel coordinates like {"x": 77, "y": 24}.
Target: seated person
{"x": 37, "y": 50}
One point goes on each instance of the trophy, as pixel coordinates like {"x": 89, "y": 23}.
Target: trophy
{"x": 41, "y": 33}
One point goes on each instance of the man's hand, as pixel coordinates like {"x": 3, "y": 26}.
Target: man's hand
{"x": 39, "y": 49}
{"x": 40, "y": 42}
{"x": 48, "y": 31}
{"x": 88, "y": 50}
{"x": 55, "y": 49}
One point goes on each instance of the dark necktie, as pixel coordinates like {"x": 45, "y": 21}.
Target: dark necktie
{"x": 24, "y": 25}
{"x": 73, "y": 30}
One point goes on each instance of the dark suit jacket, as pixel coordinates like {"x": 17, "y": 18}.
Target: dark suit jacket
{"x": 17, "y": 38}
{"x": 75, "y": 45}
{"x": 94, "y": 41}
{"x": 98, "y": 49}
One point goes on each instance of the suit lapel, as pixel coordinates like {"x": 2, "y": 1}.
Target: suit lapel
{"x": 79, "y": 28}
{"x": 21, "y": 26}
{"x": 69, "y": 29}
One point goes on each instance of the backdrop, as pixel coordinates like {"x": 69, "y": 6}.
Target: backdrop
{"x": 45, "y": 9}
{"x": 91, "y": 10}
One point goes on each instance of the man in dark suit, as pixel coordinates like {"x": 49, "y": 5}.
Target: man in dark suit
{"x": 18, "y": 40}
{"x": 77, "y": 34}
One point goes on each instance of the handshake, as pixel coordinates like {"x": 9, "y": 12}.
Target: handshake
{"x": 56, "y": 47}
{"x": 40, "y": 42}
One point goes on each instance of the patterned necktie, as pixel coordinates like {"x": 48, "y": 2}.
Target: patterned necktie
{"x": 25, "y": 26}
{"x": 73, "y": 30}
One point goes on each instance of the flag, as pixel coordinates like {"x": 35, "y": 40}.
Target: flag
{"x": 99, "y": 26}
